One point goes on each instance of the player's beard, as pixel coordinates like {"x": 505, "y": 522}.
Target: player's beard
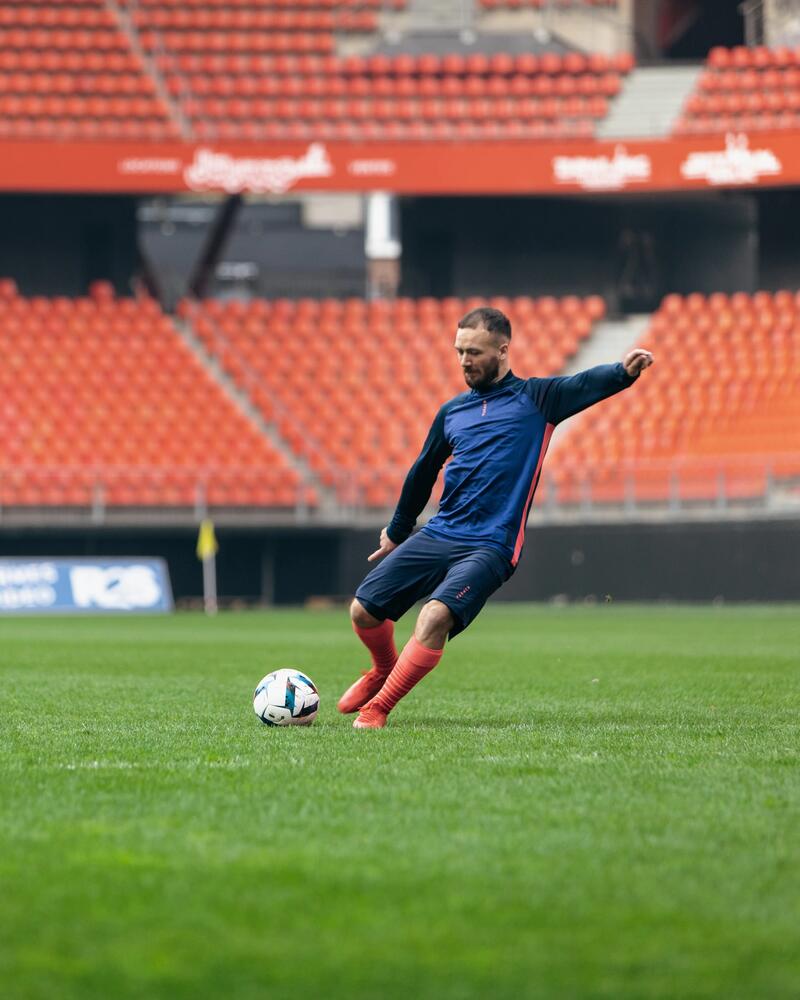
{"x": 488, "y": 376}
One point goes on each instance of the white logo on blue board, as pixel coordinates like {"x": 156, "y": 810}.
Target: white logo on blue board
{"x": 115, "y": 588}
{"x": 27, "y": 585}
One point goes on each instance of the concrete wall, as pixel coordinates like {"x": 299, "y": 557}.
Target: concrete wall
{"x": 58, "y": 244}
{"x": 561, "y": 246}
{"x": 733, "y": 561}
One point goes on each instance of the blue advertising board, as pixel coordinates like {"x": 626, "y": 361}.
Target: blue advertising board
{"x": 84, "y": 585}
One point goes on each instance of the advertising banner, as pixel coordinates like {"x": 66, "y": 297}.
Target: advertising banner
{"x": 737, "y": 159}
{"x": 67, "y": 586}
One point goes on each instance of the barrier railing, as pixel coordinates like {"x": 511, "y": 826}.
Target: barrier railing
{"x": 674, "y": 484}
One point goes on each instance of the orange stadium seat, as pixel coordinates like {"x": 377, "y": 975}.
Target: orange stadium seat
{"x": 683, "y": 437}
{"x": 365, "y": 460}
{"x": 108, "y": 405}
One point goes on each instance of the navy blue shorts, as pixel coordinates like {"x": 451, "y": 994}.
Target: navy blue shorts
{"x": 457, "y": 574}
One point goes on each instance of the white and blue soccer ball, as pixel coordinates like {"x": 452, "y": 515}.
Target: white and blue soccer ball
{"x": 286, "y": 698}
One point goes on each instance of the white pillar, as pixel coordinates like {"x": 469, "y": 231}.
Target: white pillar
{"x": 382, "y": 245}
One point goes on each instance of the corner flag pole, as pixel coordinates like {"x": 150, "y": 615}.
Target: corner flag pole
{"x": 207, "y": 553}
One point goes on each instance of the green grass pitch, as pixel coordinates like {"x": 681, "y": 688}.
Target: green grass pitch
{"x": 580, "y": 802}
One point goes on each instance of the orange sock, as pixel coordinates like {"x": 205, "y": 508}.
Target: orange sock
{"x": 414, "y": 663}
{"x": 380, "y": 642}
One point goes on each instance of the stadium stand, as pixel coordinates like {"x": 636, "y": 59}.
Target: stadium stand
{"x": 256, "y": 72}
{"x": 111, "y": 407}
{"x": 107, "y": 405}
{"x": 744, "y": 88}
{"x": 265, "y": 70}
{"x": 69, "y": 71}
{"x": 718, "y": 417}
{"x": 373, "y": 400}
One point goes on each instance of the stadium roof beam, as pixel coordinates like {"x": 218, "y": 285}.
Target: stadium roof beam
{"x": 212, "y": 248}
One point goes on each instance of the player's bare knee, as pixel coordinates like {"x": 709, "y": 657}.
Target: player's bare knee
{"x": 433, "y": 625}
{"x": 361, "y": 617}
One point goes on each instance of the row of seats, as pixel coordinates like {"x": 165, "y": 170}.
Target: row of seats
{"x": 89, "y": 129}
{"x": 754, "y": 103}
{"x": 65, "y": 84}
{"x": 104, "y": 403}
{"x": 429, "y": 65}
{"x": 392, "y": 131}
{"x": 374, "y": 414}
{"x": 78, "y": 106}
{"x": 687, "y": 433}
{"x": 237, "y": 41}
{"x": 47, "y": 39}
{"x": 520, "y": 85}
{"x": 764, "y": 122}
{"x": 253, "y": 19}
{"x": 69, "y": 61}
{"x": 57, "y": 17}
{"x": 731, "y": 81}
{"x": 357, "y": 109}
{"x": 757, "y": 57}
{"x": 291, "y": 6}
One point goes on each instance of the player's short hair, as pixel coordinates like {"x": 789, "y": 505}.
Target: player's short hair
{"x": 492, "y": 320}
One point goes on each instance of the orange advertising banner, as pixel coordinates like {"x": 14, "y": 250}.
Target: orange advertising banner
{"x": 732, "y": 160}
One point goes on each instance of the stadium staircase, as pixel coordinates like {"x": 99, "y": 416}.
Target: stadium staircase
{"x": 244, "y": 400}
{"x": 610, "y": 341}
{"x": 123, "y": 17}
{"x": 447, "y": 15}
{"x": 649, "y": 103}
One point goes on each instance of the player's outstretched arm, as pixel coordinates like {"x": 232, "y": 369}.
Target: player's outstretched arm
{"x": 564, "y": 395}
{"x": 385, "y": 546}
{"x": 636, "y": 361}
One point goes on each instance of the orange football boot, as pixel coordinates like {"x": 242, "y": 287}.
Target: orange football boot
{"x": 371, "y": 716}
{"x": 358, "y": 694}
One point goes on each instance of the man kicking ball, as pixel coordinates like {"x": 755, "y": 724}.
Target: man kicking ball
{"x": 497, "y": 433}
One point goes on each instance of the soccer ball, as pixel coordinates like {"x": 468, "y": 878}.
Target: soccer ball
{"x": 286, "y": 698}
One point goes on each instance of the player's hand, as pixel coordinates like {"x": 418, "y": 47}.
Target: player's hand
{"x": 636, "y": 361}
{"x": 386, "y": 546}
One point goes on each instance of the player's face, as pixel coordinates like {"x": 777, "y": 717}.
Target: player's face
{"x": 480, "y": 356}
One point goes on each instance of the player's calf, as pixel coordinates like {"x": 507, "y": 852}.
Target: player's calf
{"x": 414, "y": 663}
{"x": 380, "y": 642}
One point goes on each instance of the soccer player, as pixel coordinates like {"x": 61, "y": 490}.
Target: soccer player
{"x": 497, "y": 433}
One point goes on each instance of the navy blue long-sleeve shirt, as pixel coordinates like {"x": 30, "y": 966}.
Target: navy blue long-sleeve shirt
{"x": 498, "y": 438}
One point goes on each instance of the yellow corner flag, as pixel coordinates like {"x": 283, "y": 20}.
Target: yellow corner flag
{"x": 206, "y": 540}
